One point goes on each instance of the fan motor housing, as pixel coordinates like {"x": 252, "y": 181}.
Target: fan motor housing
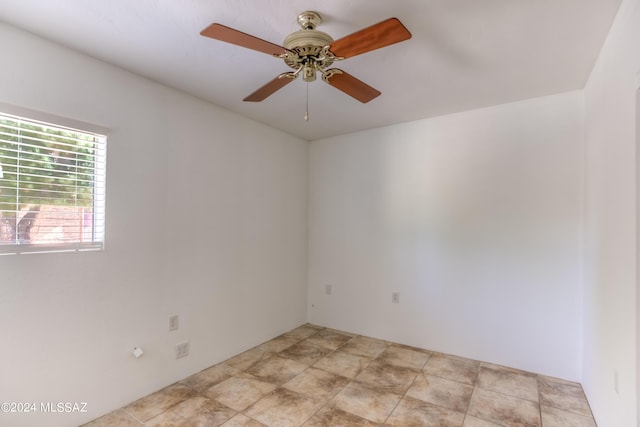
{"x": 308, "y": 44}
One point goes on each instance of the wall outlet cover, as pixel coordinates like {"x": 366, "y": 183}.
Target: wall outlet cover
{"x": 182, "y": 349}
{"x": 174, "y": 323}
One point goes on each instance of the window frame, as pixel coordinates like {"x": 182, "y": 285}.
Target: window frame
{"x": 74, "y": 126}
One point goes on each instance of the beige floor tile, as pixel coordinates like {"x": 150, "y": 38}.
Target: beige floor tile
{"x": 470, "y": 421}
{"x": 553, "y": 417}
{"x": 304, "y": 331}
{"x": 276, "y": 369}
{"x": 244, "y": 360}
{"x": 278, "y": 344}
{"x": 453, "y": 368}
{"x": 332, "y": 416}
{"x": 366, "y": 402}
{"x": 345, "y": 364}
{"x": 166, "y": 419}
{"x": 393, "y": 379}
{"x": 329, "y": 338}
{"x": 441, "y": 391}
{"x": 505, "y": 368}
{"x": 416, "y": 413}
{"x": 241, "y": 420}
{"x": 503, "y": 409}
{"x": 158, "y": 402}
{"x": 118, "y": 418}
{"x": 364, "y": 346}
{"x": 349, "y": 334}
{"x": 240, "y": 392}
{"x": 558, "y": 380}
{"x": 194, "y": 412}
{"x": 316, "y": 376}
{"x": 506, "y": 381}
{"x": 404, "y": 357}
{"x": 305, "y": 352}
{"x": 209, "y": 377}
{"x": 283, "y": 408}
{"x": 317, "y": 384}
{"x": 563, "y": 395}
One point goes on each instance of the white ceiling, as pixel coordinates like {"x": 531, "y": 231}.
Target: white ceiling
{"x": 464, "y": 54}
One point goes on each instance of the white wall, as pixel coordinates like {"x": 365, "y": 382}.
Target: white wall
{"x": 206, "y": 218}
{"x": 473, "y": 217}
{"x": 610, "y": 230}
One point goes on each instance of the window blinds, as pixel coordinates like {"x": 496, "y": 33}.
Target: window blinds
{"x": 52, "y": 187}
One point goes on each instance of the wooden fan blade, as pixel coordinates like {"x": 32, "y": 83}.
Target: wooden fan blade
{"x": 351, "y": 86}
{"x": 374, "y": 37}
{"x": 270, "y": 88}
{"x": 229, "y": 35}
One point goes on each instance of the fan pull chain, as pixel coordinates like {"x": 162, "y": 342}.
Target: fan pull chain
{"x": 306, "y": 114}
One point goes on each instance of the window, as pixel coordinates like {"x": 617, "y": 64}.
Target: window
{"x": 52, "y": 187}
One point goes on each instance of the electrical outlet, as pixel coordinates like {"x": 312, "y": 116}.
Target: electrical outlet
{"x": 182, "y": 349}
{"x": 174, "y": 322}
{"x": 328, "y": 289}
{"x": 395, "y": 297}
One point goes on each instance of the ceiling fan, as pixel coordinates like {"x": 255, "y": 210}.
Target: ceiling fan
{"x": 309, "y": 51}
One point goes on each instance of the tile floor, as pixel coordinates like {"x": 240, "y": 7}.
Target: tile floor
{"x": 318, "y": 377}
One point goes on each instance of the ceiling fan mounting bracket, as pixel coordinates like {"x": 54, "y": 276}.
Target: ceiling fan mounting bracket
{"x": 309, "y": 20}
